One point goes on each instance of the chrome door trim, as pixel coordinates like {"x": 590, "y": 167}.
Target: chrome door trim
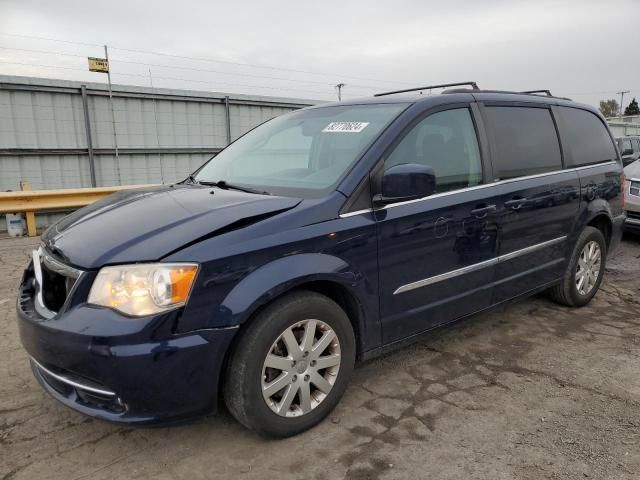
{"x": 357, "y": 212}
{"x": 532, "y": 248}
{"x": 446, "y": 276}
{"x": 586, "y": 167}
{"x": 479, "y": 187}
{"x": 477, "y": 266}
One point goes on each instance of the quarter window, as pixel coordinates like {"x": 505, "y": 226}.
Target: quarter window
{"x": 445, "y": 141}
{"x": 525, "y": 141}
{"x": 587, "y": 137}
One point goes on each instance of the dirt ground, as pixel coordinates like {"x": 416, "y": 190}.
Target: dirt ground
{"x": 532, "y": 391}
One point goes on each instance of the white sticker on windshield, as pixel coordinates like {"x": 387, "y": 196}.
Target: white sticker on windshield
{"x": 345, "y": 127}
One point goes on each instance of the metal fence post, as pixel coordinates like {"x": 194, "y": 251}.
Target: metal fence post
{"x": 228, "y": 117}
{"x": 87, "y": 129}
{"x": 30, "y": 216}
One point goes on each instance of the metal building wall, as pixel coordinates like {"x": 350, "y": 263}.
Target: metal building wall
{"x": 162, "y": 134}
{"x": 623, "y": 126}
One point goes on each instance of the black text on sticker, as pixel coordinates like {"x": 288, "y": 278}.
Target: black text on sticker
{"x": 345, "y": 127}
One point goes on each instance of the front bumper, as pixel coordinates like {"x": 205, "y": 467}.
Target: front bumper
{"x": 121, "y": 369}
{"x": 632, "y": 225}
{"x": 632, "y": 222}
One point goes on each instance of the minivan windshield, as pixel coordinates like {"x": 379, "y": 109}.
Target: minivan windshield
{"x": 304, "y": 153}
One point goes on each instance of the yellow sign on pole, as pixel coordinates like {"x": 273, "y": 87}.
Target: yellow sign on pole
{"x": 98, "y": 65}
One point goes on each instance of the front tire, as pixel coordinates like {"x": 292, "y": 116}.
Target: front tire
{"x": 584, "y": 272}
{"x": 291, "y": 365}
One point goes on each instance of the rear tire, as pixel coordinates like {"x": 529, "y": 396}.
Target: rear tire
{"x": 291, "y": 365}
{"x": 585, "y": 270}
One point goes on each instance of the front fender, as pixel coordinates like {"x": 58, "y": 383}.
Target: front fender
{"x": 281, "y": 275}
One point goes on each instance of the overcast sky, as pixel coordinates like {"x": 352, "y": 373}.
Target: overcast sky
{"x": 584, "y": 49}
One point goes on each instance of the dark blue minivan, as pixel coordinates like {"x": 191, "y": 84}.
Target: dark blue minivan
{"x": 323, "y": 237}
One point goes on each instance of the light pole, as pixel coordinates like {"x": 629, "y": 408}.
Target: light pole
{"x": 621, "y": 101}
{"x": 113, "y": 116}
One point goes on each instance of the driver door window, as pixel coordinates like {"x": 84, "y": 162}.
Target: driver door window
{"x": 435, "y": 257}
{"x": 445, "y": 141}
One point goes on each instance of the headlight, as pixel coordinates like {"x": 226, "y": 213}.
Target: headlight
{"x": 143, "y": 289}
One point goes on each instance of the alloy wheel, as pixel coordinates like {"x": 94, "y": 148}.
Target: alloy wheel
{"x": 588, "y": 269}
{"x": 301, "y": 368}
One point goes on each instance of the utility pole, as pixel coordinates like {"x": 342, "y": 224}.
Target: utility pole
{"x": 621, "y": 101}
{"x": 339, "y": 88}
{"x": 113, "y": 116}
{"x": 155, "y": 116}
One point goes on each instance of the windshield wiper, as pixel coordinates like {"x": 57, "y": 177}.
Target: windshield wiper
{"x": 191, "y": 179}
{"x": 231, "y": 186}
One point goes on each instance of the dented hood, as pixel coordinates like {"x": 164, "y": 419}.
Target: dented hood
{"x": 147, "y": 224}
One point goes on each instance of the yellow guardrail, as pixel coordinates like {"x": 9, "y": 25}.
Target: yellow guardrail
{"x": 30, "y": 201}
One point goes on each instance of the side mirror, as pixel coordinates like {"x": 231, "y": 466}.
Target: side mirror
{"x": 407, "y": 181}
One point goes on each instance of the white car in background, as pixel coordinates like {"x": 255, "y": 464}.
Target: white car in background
{"x": 632, "y": 196}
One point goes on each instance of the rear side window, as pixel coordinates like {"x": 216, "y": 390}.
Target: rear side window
{"x": 587, "y": 137}
{"x": 525, "y": 141}
{"x": 636, "y": 146}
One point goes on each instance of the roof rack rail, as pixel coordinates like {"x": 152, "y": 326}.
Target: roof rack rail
{"x": 474, "y": 86}
{"x": 547, "y": 92}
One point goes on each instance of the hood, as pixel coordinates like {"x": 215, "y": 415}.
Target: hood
{"x": 632, "y": 170}
{"x": 147, "y": 224}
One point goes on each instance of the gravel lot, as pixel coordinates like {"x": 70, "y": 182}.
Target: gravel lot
{"x": 530, "y": 391}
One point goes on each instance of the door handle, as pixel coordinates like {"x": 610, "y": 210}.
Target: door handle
{"x": 482, "y": 212}
{"x": 515, "y": 203}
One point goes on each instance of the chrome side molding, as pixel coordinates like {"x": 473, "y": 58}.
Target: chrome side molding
{"x": 446, "y": 276}
{"x": 477, "y": 266}
{"x": 478, "y": 187}
{"x": 532, "y": 248}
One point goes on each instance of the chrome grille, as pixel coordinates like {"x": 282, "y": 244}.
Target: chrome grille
{"x": 54, "y": 281}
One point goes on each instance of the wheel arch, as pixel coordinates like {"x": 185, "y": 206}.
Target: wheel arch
{"x": 603, "y": 222}
{"x": 596, "y": 213}
{"x": 320, "y": 273}
{"x": 331, "y": 285}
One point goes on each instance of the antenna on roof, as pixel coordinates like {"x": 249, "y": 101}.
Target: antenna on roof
{"x": 474, "y": 86}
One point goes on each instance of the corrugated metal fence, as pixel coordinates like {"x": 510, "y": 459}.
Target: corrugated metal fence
{"x": 60, "y": 134}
